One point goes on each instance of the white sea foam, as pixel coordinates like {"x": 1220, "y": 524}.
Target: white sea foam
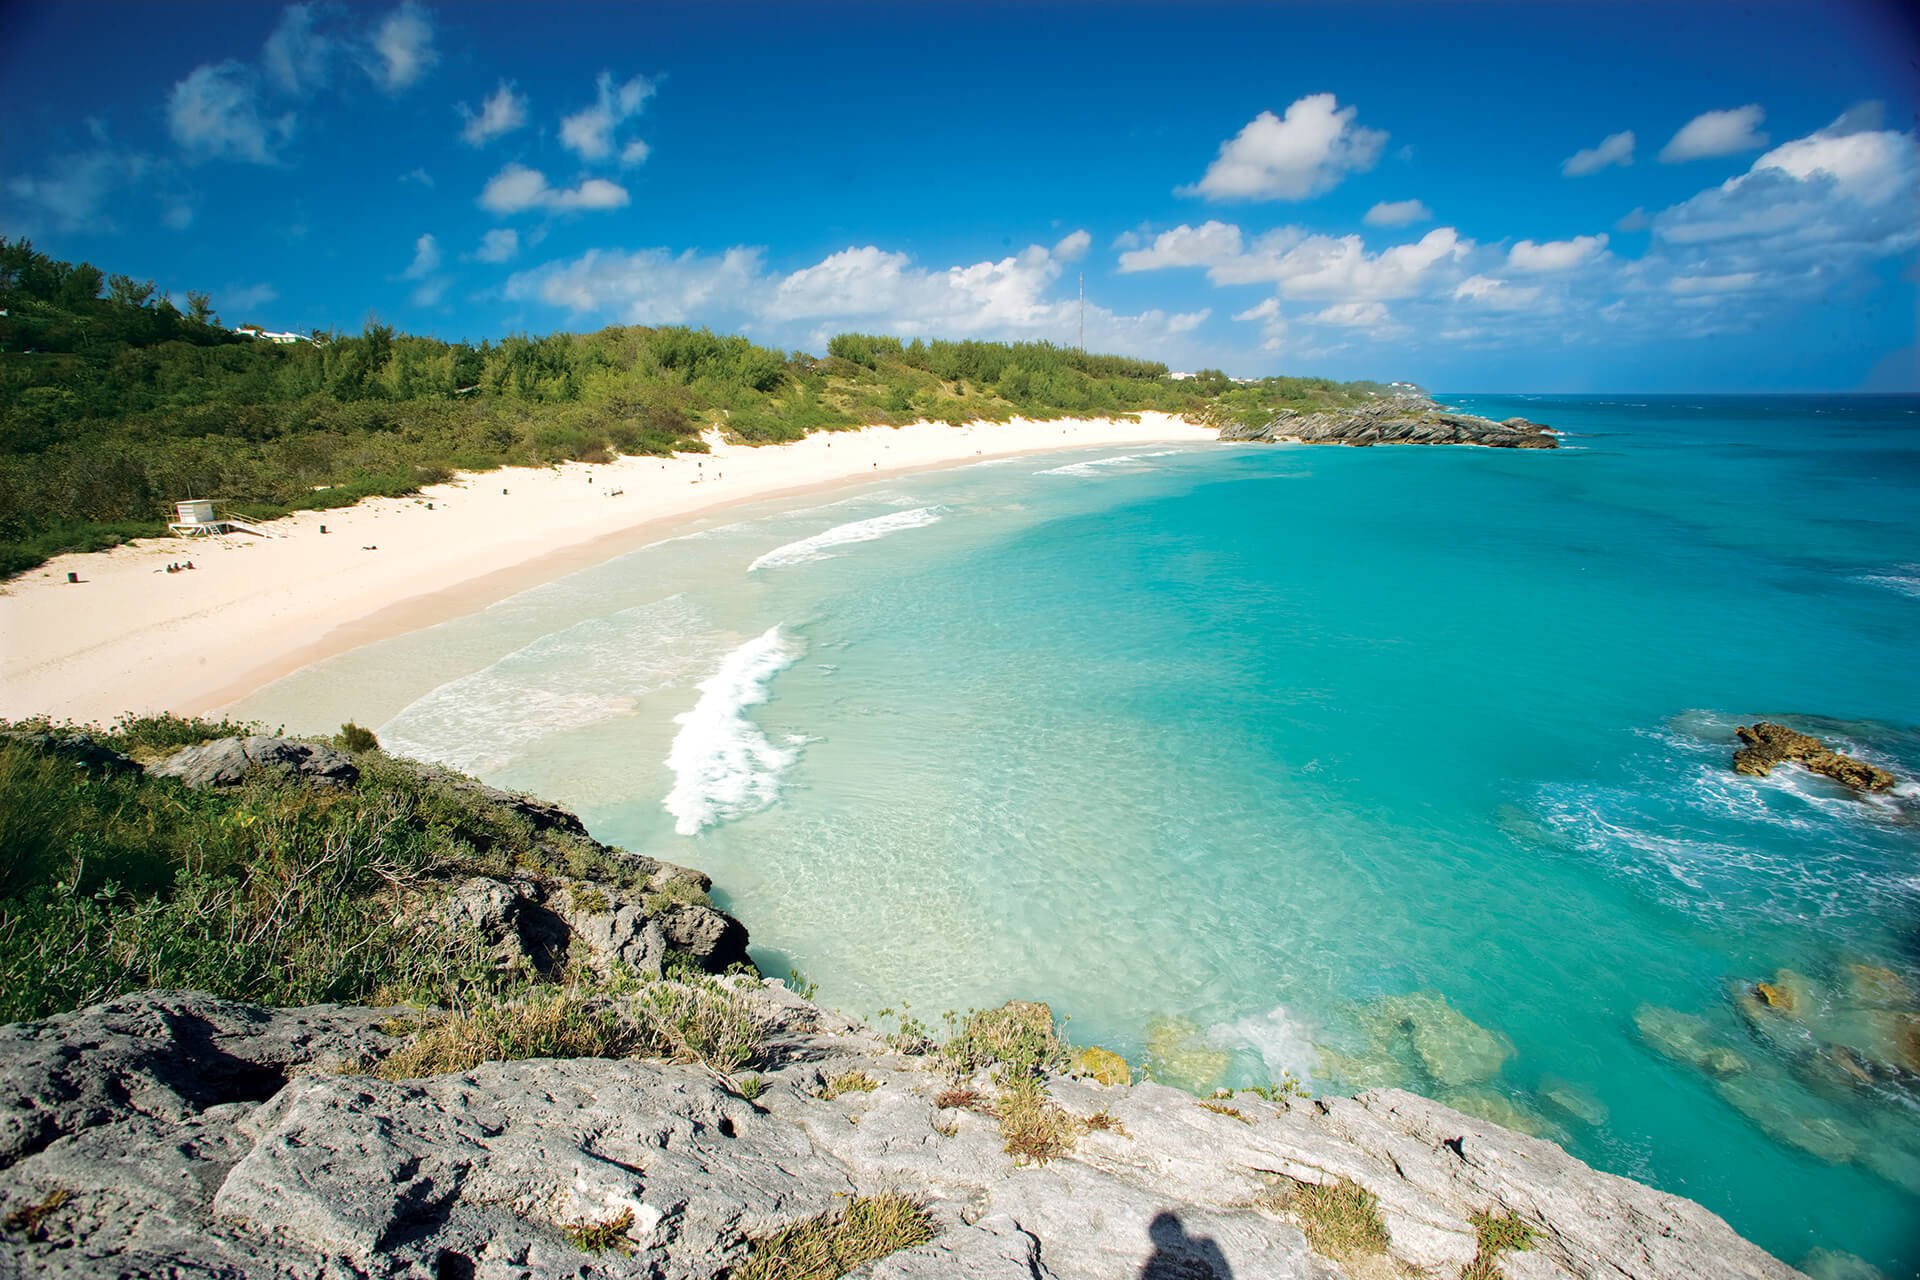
{"x": 723, "y": 766}
{"x": 1278, "y": 1036}
{"x": 821, "y": 545}
{"x": 1094, "y": 466}
{"x": 1904, "y": 579}
{"x": 565, "y": 680}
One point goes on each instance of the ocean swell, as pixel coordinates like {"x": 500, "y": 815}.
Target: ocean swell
{"x": 723, "y": 766}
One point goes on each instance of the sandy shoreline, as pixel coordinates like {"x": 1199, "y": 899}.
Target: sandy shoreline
{"x": 132, "y": 636}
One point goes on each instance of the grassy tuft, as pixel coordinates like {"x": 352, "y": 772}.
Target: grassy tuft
{"x": 1018, "y": 1039}
{"x": 557, "y": 1026}
{"x": 1033, "y": 1128}
{"x": 849, "y": 1082}
{"x": 30, "y": 1220}
{"x": 1222, "y": 1109}
{"x": 600, "y": 1237}
{"x": 1340, "y": 1219}
{"x": 1497, "y": 1234}
{"x": 1106, "y": 1122}
{"x": 834, "y": 1244}
{"x": 355, "y": 739}
{"x": 699, "y": 1019}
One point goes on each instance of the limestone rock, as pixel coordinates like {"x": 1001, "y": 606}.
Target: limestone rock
{"x": 539, "y": 924}
{"x": 226, "y": 762}
{"x": 712, "y": 937}
{"x": 1399, "y": 420}
{"x": 152, "y": 1114}
{"x": 1769, "y": 744}
{"x": 166, "y": 1055}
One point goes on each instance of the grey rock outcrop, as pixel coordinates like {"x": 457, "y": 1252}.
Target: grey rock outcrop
{"x": 1396, "y": 420}
{"x": 527, "y": 920}
{"x": 227, "y": 762}
{"x": 482, "y": 1173}
{"x": 82, "y": 749}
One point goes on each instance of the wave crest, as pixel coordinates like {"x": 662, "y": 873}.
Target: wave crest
{"x": 821, "y": 545}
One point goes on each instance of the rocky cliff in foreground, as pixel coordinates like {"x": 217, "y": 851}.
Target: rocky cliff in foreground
{"x": 179, "y": 1134}
{"x": 1400, "y": 420}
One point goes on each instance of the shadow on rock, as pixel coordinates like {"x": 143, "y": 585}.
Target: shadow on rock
{"x": 1179, "y": 1256}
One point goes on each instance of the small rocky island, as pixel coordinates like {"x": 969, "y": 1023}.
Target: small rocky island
{"x": 1406, "y": 419}
{"x": 452, "y": 1035}
{"x": 1768, "y": 744}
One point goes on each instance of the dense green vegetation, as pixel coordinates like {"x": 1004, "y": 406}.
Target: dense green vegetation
{"x": 114, "y": 882}
{"x": 114, "y": 403}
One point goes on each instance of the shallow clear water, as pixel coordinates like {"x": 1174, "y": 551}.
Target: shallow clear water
{"x": 1227, "y": 751}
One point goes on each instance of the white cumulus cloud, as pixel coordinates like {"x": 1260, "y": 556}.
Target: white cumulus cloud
{"x": 590, "y": 131}
{"x": 1185, "y": 246}
{"x": 1735, "y": 282}
{"x": 1716, "y": 133}
{"x": 1308, "y": 152}
{"x": 517, "y": 188}
{"x": 504, "y": 111}
{"x": 216, "y": 114}
{"x": 1615, "y": 148}
{"x": 1555, "y": 255}
{"x": 402, "y": 48}
{"x": 499, "y": 245}
{"x": 1495, "y": 294}
{"x": 426, "y": 259}
{"x": 647, "y": 286}
{"x": 76, "y": 190}
{"x": 1398, "y": 213}
{"x": 298, "y": 57}
{"x": 1352, "y": 315}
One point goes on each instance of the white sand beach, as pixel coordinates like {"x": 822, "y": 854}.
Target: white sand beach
{"x": 129, "y": 636}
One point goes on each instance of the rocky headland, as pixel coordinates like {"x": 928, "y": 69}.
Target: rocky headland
{"x": 556, "y": 1061}
{"x": 175, "y": 1133}
{"x": 1395, "y": 420}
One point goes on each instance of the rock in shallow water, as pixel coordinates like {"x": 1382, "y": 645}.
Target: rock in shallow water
{"x": 1770, "y": 744}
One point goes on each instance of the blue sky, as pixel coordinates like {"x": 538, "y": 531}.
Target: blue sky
{"x": 1474, "y": 196}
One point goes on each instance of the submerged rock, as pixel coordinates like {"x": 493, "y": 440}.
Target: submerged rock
{"x": 227, "y": 762}
{"x": 1102, "y": 1065}
{"x": 1453, "y": 1048}
{"x": 1688, "y": 1039}
{"x": 1501, "y": 1109}
{"x": 1574, "y": 1100}
{"x": 1769, "y": 744}
{"x": 1179, "y": 1054}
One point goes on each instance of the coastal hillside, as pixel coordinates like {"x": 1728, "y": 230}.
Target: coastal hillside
{"x": 115, "y": 404}
{"x": 288, "y": 1006}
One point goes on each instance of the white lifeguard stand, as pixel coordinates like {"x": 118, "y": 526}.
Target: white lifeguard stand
{"x": 195, "y": 517}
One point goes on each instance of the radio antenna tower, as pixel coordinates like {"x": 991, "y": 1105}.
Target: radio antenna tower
{"x": 1083, "y": 311}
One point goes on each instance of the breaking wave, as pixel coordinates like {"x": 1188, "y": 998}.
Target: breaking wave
{"x": 723, "y": 766}
{"x": 821, "y": 545}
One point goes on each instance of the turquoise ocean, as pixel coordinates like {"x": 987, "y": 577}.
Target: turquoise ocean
{"x": 1372, "y": 766}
